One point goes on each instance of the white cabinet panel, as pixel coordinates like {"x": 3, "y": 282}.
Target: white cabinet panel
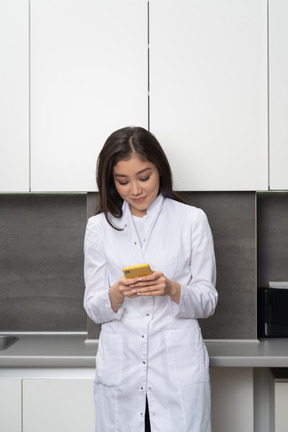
{"x": 208, "y": 91}
{"x": 280, "y": 407}
{"x": 14, "y": 95}
{"x": 278, "y": 98}
{"x": 10, "y": 405}
{"x": 58, "y": 405}
{"x": 232, "y": 399}
{"x": 89, "y": 77}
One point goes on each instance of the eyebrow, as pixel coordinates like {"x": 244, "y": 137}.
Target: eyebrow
{"x": 138, "y": 173}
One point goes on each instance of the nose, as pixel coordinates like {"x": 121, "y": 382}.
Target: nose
{"x": 136, "y": 189}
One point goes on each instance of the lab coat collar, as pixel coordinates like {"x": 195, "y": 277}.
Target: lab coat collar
{"x": 152, "y": 211}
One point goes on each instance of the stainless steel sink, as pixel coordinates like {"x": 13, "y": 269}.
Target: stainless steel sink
{"x": 7, "y": 341}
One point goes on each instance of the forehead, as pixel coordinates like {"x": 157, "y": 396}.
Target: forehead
{"x": 132, "y": 166}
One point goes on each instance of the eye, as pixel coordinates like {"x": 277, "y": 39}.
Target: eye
{"x": 122, "y": 183}
{"x": 145, "y": 179}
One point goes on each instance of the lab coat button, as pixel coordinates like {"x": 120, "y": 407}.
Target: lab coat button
{"x": 144, "y": 362}
{"x": 143, "y": 336}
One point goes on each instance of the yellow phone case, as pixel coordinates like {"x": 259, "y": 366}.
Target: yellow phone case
{"x": 138, "y": 270}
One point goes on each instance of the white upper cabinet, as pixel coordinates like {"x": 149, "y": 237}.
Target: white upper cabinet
{"x": 88, "y": 78}
{"x": 208, "y": 91}
{"x": 278, "y": 89}
{"x": 14, "y": 96}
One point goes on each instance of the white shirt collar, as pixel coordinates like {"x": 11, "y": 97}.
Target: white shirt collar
{"x": 152, "y": 211}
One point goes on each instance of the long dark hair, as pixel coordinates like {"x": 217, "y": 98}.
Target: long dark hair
{"x": 120, "y": 145}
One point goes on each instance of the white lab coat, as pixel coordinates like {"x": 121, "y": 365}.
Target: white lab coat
{"x": 152, "y": 346}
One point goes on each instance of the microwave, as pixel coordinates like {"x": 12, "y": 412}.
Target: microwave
{"x": 272, "y": 308}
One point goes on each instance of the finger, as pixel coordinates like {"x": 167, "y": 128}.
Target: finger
{"x": 130, "y": 294}
{"x": 149, "y": 284}
{"x": 149, "y": 293}
{"x": 155, "y": 276}
{"x": 151, "y": 289}
{"x": 129, "y": 282}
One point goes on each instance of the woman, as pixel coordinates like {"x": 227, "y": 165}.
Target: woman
{"x": 151, "y": 357}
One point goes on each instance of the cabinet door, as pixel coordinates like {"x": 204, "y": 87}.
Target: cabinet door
{"x": 58, "y": 405}
{"x": 232, "y": 399}
{"x": 89, "y": 77}
{"x": 10, "y": 405}
{"x": 14, "y": 96}
{"x": 208, "y": 91}
{"x": 280, "y": 407}
{"x": 278, "y": 86}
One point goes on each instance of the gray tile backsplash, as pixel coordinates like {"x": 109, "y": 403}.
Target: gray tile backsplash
{"x": 41, "y": 262}
{"x": 232, "y": 219}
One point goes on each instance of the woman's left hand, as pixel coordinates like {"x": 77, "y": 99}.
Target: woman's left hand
{"x": 158, "y": 284}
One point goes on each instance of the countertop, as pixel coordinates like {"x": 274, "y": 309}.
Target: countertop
{"x": 74, "y": 351}
{"x": 71, "y": 350}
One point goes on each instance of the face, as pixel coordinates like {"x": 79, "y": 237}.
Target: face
{"x": 137, "y": 182}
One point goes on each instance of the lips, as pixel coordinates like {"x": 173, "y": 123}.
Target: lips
{"x": 139, "y": 200}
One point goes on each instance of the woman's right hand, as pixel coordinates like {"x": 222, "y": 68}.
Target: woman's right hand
{"x": 121, "y": 289}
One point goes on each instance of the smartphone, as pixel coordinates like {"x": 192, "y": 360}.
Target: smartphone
{"x": 137, "y": 271}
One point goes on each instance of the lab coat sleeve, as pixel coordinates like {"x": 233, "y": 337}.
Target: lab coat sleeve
{"x": 199, "y": 298}
{"x": 96, "y": 299}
